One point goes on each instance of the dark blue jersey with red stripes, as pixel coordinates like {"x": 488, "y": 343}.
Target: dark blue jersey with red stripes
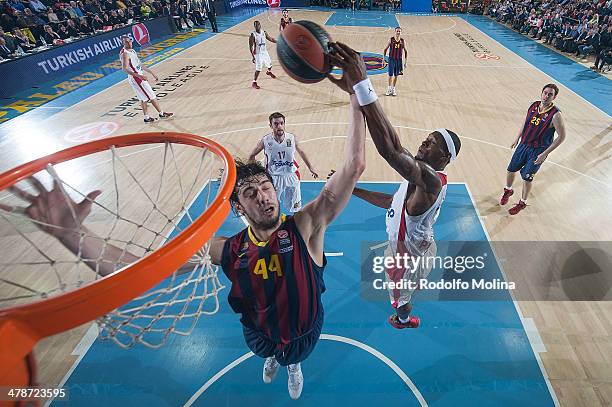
{"x": 396, "y": 48}
{"x": 538, "y": 130}
{"x": 276, "y": 285}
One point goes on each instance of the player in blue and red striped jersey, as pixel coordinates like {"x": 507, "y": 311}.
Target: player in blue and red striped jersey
{"x": 535, "y": 142}
{"x": 397, "y": 48}
{"x": 276, "y": 264}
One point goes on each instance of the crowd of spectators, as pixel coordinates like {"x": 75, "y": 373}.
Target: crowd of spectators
{"x": 581, "y": 28}
{"x": 33, "y": 25}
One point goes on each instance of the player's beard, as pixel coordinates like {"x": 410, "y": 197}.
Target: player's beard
{"x": 265, "y": 222}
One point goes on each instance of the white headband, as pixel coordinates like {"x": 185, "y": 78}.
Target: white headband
{"x": 450, "y": 144}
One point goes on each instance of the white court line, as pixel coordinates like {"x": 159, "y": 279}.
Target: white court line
{"x": 80, "y": 350}
{"x": 363, "y": 32}
{"x": 396, "y": 369}
{"x": 534, "y": 346}
{"x": 478, "y": 141}
{"x": 363, "y": 19}
{"x": 410, "y": 64}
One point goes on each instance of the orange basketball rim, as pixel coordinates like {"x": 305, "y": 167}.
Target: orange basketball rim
{"x": 21, "y": 327}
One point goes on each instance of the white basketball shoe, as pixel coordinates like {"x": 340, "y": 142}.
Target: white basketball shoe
{"x": 270, "y": 369}
{"x": 296, "y": 381}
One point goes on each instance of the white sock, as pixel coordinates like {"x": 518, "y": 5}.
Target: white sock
{"x": 402, "y": 320}
{"x": 146, "y": 116}
{"x": 523, "y": 201}
{"x": 510, "y": 188}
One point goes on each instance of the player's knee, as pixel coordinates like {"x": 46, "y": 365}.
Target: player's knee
{"x": 527, "y": 176}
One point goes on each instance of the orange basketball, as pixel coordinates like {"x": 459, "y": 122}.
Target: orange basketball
{"x": 302, "y": 51}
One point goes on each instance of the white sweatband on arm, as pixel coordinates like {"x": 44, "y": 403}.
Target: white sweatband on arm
{"x": 450, "y": 144}
{"x": 365, "y": 92}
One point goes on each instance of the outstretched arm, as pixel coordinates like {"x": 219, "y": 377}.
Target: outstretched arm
{"x": 306, "y": 160}
{"x": 258, "y": 148}
{"x": 379, "y": 199}
{"x": 270, "y": 38}
{"x": 144, "y": 68}
{"x": 312, "y": 221}
{"x": 383, "y": 134}
{"x": 55, "y": 213}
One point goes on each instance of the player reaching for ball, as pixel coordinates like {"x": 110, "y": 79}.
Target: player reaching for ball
{"x": 414, "y": 208}
{"x": 259, "y": 51}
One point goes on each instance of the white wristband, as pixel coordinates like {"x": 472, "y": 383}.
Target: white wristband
{"x": 365, "y": 92}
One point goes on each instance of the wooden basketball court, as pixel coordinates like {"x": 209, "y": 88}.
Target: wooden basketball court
{"x": 482, "y": 98}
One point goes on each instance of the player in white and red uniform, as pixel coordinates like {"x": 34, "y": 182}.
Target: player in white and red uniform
{"x": 259, "y": 52}
{"x": 411, "y": 214}
{"x": 279, "y": 148}
{"x": 130, "y": 63}
{"x": 412, "y": 211}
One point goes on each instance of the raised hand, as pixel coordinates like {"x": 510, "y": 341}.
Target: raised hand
{"x": 53, "y": 211}
{"x": 352, "y": 65}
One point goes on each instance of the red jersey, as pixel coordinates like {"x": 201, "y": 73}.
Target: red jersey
{"x": 284, "y": 23}
{"x": 276, "y": 285}
{"x": 538, "y": 130}
{"x": 396, "y": 48}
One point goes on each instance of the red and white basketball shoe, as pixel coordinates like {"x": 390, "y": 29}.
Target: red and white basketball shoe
{"x": 507, "y": 194}
{"x": 413, "y": 322}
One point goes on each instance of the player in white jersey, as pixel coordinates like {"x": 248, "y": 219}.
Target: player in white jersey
{"x": 130, "y": 63}
{"x": 414, "y": 208}
{"x": 279, "y": 148}
{"x": 259, "y": 51}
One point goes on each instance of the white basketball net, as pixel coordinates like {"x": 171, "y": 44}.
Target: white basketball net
{"x": 150, "y": 193}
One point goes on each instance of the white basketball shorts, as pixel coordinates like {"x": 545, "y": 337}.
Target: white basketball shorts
{"x": 418, "y": 271}
{"x": 261, "y": 59}
{"x": 288, "y": 191}
{"x": 143, "y": 89}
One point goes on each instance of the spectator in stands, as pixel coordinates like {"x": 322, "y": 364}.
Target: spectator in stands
{"x": 22, "y": 40}
{"x": 588, "y": 44}
{"x": 84, "y": 27}
{"x": 72, "y": 29}
{"x": 16, "y": 5}
{"x": 92, "y": 7}
{"x": 50, "y": 36}
{"x": 63, "y": 32}
{"x": 7, "y": 22}
{"x": 52, "y": 17}
{"x": 32, "y": 20}
{"x": 5, "y": 52}
{"x": 97, "y": 24}
{"x": 8, "y": 41}
{"x": 145, "y": 10}
{"x": 37, "y": 7}
{"x": 106, "y": 21}
{"x": 604, "y": 49}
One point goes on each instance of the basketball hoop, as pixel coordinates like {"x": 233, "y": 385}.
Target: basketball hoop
{"x": 180, "y": 237}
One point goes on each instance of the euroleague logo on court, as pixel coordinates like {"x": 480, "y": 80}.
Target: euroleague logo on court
{"x": 91, "y": 131}
{"x": 140, "y": 33}
{"x": 487, "y": 56}
{"x": 376, "y": 64}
